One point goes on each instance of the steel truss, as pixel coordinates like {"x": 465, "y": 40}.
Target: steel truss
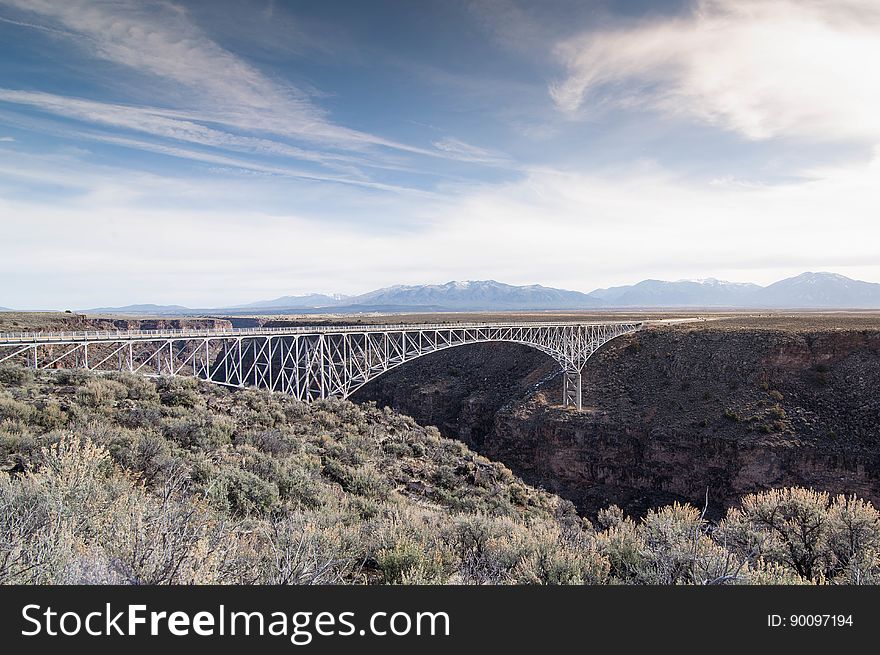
{"x": 307, "y": 363}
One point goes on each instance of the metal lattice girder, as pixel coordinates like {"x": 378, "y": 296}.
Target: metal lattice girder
{"x": 308, "y": 363}
{"x": 571, "y": 389}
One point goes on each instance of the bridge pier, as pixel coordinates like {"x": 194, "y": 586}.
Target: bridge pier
{"x": 571, "y": 389}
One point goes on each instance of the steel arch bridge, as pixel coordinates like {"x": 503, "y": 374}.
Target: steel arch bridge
{"x": 308, "y": 363}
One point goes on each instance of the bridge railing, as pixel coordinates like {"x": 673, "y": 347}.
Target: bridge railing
{"x": 91, "y": 335}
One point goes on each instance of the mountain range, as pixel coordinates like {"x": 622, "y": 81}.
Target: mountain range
{"x": 805, "y": 291}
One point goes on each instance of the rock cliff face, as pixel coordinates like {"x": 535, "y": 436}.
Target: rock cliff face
{"x": 672, "y": 413}
{"x": 63, "y": 321}
{"x": 162, "y": 323}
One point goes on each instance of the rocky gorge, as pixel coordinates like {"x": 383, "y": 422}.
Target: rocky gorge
{"x": 703, "y": 413}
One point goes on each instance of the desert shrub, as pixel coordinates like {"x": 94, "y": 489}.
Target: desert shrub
{"x": 624, "y": 547}
{"x": 52, "y": 518}
{"x": 448, "y": 452}
{"x": 786, "y": 526}
{"x": 776, "y": 412}
{"x": 242, "y": 493}
{"x": 368, "y": 481}
{"x": 139, "y": 387}
{"x": 303, "y": 551}
{"x": 681, "y": 550}
{"x": 34, "y": 548}
{"x": 769, "y": 573}
{"x": 121, "y": 479}
{"x": 179, "y": 392}
{"x": 139, "y": 417}
{"x": 549, "y": 558}
{"x": 411, "y": 561}
{"x": 405, "y": 544}
{"x": 671, "y": 545}
{"x": 142, "y": 452}
{"x": 610, "y": 517}
{"x": 49, "y": 415}
{"x": 81, "y": 476}
{"x": 445, "y": 477}
{"x": 301, "y": 487}
{"x": 401, "y": 447}
{"x": 19, "y": 446}
{"x": 362, "y": 480}
{"x": 672, "y": 537}
{"x": 488, "y": 548}
{"x": 260, "y": 410}
{"x": 16, "y": 410}
{"x": 200, "y": 430}
{"x": 167, "y": 540}
{"x": 72, "y": 376}
{"x": 335, "y": 471}
{"x": 99, "y": 392}
{"x": 272, "y": 441}
{"x": 298, "y": 478}
{"x": 853, "y": 541}
{"x": 16, "y": 376}
{"x": 519, "y": 494}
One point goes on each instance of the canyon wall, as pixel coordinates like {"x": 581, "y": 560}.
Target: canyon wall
{"x": 672, "y": 413}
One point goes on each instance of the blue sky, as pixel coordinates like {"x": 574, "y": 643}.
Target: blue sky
{"x": 214, "y": 153}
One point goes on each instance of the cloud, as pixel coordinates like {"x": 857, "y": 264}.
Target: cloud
{"x": 762, "y": 68}
{"x": 7, "y": 139}
{"x": 215, "y": 85}
{"x": 236, "y": 163}
{"x": 158, "y": 39}
{"x": 176, "y": 125}
{"x": 463, "y": 151}
{"x": 214, "y": 99}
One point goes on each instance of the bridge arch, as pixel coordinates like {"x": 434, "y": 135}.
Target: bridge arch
{"x": 546, "y": 351}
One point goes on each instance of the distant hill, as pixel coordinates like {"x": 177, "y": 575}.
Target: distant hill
{"x": 805, "y": 291}
{"x": 683, "y": 293}
{"x": 820, "y": 290}
{"x": 142, "y": 309}
{"x": 311, "y": 301}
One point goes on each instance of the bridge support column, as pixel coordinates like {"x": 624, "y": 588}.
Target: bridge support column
{"x": 571, "y": 389}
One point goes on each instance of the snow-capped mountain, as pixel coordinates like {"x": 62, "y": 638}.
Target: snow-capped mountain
{"x": 476, "y": 295}
{"x": 805, "y": 291}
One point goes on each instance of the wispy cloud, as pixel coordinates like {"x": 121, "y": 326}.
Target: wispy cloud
{"x": 7, "y": 139}
{"x": 466, "y": 152}
{"x": 219, "y": 99}
{"x": 179, "y": 126}
{"x": 242, "y": 164}
{"x": 158, "y": 39}
{"x": 763, "y": 68}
